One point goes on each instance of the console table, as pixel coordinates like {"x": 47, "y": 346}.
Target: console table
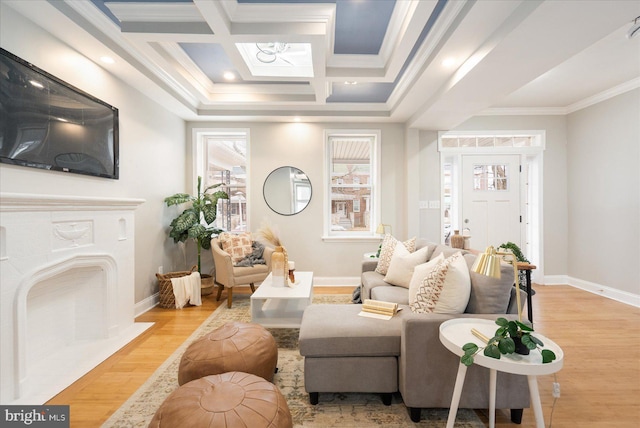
{"x": 456, "y": 332}
{"x": 527, "y": 268}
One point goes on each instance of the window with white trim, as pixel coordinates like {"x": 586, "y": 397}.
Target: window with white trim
{"x": 223, "y": 160}
{"x": 352, "y": 163}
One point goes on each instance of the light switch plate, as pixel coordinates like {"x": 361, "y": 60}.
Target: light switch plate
{"x": 423, "y": 205}
{"x": 434, "y": 205}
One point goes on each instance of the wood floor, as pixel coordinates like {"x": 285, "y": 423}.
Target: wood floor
{"x": 600, "y": 380}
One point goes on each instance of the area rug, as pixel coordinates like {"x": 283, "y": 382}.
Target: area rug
{"x": 334, "y": 410}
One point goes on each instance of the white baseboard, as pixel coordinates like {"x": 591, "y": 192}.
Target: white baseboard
{"x": 336, "y": 281}
{"x": 592, "y": 287}
{"x": 146, "y": 304}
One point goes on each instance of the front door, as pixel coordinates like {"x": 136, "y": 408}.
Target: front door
{"x": 491, "y": 199}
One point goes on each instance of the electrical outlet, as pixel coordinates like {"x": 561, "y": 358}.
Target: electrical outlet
{"x": 556, "y": 389}
{"x": 160, "y": 269}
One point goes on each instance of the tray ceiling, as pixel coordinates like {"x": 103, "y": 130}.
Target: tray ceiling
{"x": 428, "y": 63}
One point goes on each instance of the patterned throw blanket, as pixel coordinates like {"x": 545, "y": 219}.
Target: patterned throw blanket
{"x": 255, "y": 258}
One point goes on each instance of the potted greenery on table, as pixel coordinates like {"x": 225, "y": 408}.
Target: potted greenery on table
{"x": 510, "y": 337}
{"x": 189, "y": 224}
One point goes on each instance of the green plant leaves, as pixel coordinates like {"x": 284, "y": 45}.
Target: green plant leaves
{"x": 470, "y": 349}
{"x": 178, "y": 198}
{"x": 506, "y": 345}
{"x": 189, "y": 223}
{"x": 492, "y": 351}
{"x": 547, "y": 356}
{"x": 502, "y": 342}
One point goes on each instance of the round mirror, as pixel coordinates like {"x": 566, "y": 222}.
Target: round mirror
{"x": 287, "y": 190}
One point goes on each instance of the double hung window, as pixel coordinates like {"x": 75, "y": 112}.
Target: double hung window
{"x": 352, "y": 204}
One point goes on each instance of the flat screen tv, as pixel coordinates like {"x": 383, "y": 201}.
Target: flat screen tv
{"x": 49, "y": 124}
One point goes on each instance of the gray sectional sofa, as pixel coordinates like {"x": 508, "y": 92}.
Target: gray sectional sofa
{"x": 348, "y": 353}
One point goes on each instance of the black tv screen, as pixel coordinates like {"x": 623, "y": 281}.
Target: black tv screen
{"x": 47, "y": 123}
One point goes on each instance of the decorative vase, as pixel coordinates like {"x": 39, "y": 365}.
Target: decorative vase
{"x": 521, "y": 348}
{"x": 457, "y": 240}
{"x": 279, "y": 267}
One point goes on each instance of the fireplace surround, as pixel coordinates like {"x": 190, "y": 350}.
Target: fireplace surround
{"x": 66, "y": 288}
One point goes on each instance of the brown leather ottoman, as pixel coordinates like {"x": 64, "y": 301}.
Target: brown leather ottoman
{"x": 228, "y": 400}
{"x": 236, "y": 346}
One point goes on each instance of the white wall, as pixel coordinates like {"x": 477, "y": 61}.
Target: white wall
{"x": 604, "y": 193}
{"x": 152, "y": 149}
{"x": 301, "y": 145}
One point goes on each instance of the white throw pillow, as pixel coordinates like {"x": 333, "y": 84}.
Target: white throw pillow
{"x": 420, "y": 273}
{"x": 402, "y": 264}
{"x": 445, "y": 289}
{"x": 386, "y": 252}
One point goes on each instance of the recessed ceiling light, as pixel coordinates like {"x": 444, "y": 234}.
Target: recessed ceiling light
{"x": 228, "y": 75}
{"x": 350, "y": 82}
{"x": 449, "y": 62}
{"x": 296, "y": 119}
{"x": 107, "y": 59}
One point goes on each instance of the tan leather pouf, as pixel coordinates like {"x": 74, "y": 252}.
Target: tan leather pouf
{"x": 228, "y": 400}
{"x": 236, "y": 346}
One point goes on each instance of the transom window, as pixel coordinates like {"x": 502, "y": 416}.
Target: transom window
{"x": 462, "y": 141}
{"x": 352, "y": 178}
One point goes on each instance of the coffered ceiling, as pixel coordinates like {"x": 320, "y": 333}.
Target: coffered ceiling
{"x": 428, "y": 63}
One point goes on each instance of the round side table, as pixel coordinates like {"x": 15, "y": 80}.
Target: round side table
{"x": 456, "y": 332}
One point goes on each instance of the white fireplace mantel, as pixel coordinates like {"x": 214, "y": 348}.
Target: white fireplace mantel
{"x": 67, "y": 289}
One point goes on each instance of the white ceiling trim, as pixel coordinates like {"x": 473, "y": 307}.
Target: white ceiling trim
{"x": 161, "y": 12}
{"x": 111, "y": 36}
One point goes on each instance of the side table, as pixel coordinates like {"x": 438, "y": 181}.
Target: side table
{"x": 456, "y": 332}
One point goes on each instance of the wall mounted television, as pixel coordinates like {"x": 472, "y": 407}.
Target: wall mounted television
{"x": 47, "y": 123}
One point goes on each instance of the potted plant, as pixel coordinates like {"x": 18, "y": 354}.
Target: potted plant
{"x": 189, "y": 224}
{"x": 510, "y": 337}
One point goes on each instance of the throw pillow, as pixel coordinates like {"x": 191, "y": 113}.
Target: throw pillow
{"x": 446, "y": 289}
{"x": 402, "y": 265}
{"x": 419, "y": 274}
{"x": 238, "y": 246}
{"x": 386, "y": 252}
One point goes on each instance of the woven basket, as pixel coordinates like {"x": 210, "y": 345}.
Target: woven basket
{"x": 167, "y": 299}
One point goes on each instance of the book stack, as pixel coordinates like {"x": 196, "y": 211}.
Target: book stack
{"x": 378, "y": 309}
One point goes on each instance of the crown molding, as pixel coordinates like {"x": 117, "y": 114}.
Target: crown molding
{"x": 561, "y": 111}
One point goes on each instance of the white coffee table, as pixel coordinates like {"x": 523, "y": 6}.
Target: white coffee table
{"x": 282, "y": 307}
{"x": 456, "y": 332}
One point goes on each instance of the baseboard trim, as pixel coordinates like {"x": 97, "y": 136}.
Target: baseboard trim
{"x": 592, "y": 287}
{"x": 144, "y": 305}
{"x": 337, "y": 281}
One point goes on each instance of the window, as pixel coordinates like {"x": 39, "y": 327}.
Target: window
{"x": 222, "y": 158}
{"x": 490, "y": 177}
{"x": 352, "y": 204}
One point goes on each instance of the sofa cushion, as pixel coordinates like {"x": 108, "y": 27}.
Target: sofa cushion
{"x": 338, "y": 331}
{"x": 445, "y": 289}
{"x": 419, "y": 274}
{"x": 402, "y": 265}
{"x": 489, "y": 295}
{"x": 387, "y": 249}
{"x": 391, "y": 294}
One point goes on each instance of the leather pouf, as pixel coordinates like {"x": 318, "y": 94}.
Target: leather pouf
{"x": 228, "y": 400}
{"x": 236, "y": 346}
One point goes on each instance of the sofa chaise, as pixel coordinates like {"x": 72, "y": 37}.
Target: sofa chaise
{"x": 345, "y": 352}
